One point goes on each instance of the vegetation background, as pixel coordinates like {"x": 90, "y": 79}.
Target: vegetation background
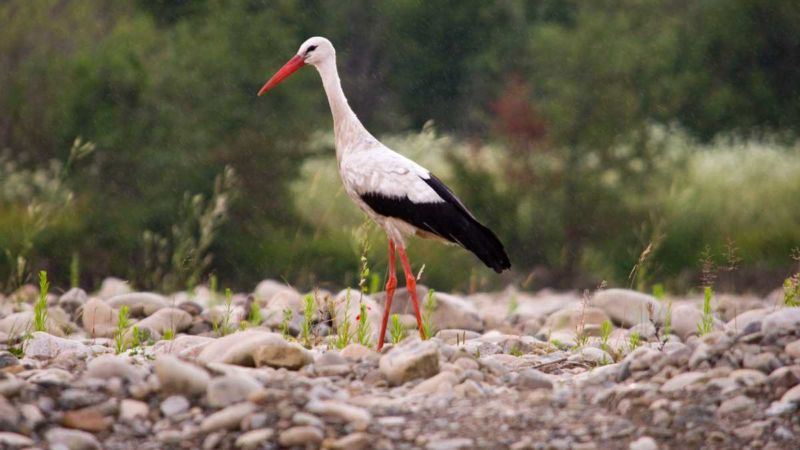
{"x": 593, "y": 136}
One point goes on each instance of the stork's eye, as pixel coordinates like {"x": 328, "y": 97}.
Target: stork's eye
{"x": 311, "y": 49}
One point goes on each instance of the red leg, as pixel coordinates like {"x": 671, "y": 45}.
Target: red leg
{"x": 411, "y": 285}
{"x": 391, "y": 283}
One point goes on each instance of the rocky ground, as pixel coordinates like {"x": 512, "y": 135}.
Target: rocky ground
{"x": 506, "y": 370}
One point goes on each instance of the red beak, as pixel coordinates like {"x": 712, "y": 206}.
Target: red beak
{"x": 289, "y": 68}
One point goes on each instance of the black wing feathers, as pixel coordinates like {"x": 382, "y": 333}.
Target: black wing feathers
{"x": 450, "y": 220}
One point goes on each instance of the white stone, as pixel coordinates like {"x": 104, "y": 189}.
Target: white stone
{"x": 253, "y": 439}
{"x": 131, "y": 409}
{"x": 71, "y": 439}
{"x": 109, "y": 366}
{"x": 13, "y": 440}
{"x": 228, "y": 418}
{"x": 782, "y": 321}
{"x": 682, "y": 381}
{"x": 409, "y": 360}
{"x": 643, "y": 443}
{"x": 139, "y": 303}
{"x": 230, "y": 389}
{"x": 628, "y": 307}
{"x": 46, "y": 346}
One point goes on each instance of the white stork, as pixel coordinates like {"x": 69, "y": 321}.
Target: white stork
{"x": 400, "y": 195}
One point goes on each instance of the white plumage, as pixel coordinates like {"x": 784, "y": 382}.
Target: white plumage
{"x": 400, "y": 195}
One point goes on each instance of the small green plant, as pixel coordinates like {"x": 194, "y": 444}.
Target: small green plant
{"x": 343, "y": 330}
{"x": 75, "y": 270}
{"x": 255, "y": 318}
{"x": 223, "y": 327}
{"x": 308, "y": 318}
{"x": 427, "y": 314}
{"x": 516, "y": 351}
{"x": 169, "y": 334}
{"x": 363, "y": 329}
{"x": 374, "y": 283}
{"x": 659, "y": 292}
{"x": 40, "y": 308}
{"x": 213, "y": 285}
{"x": 605, "y": 332}
{"x": 122, "y": 327}
{"x": 604, "y": 361}
{"x": 634, "y": 340}
{"x": 706, "y": 324}
{"x": 791, "y": 291}
{"x": 396, "y": 330}
{"x": 287, "y": 319}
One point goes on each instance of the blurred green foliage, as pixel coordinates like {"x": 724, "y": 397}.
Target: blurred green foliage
{"x": 581, "y": 131}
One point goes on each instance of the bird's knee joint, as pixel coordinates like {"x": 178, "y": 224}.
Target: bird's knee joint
{"x": 391, "y": 283}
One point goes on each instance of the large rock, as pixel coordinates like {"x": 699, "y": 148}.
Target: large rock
{"x": 99, "y": 319}
{"x": 729, "y": 306}
{"x": 10, "y": 440}
{"x": 741, "y": 321}
{"x": 276, "y": 352}
{"x": 46, "y": 346}
{"x": 781, "y": 322}
{"x": 139, "y": 303}
{"x": 110, "y": 366}
{"x": 180, "y": 376}
{"x": 165, "y": 319}
{"x": 71, "y": 439}
{"x": 185, "y": 346}
{"x": 627, "y": 307}
{"x": 238, "y": 348}
{"x": 410, "y": 360}
{"x": 450, "y": 312}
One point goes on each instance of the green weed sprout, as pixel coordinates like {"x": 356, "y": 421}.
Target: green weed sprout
{"x": 308, "y": 316}
{"x": 634, "y": 341}
{"x": 791, "y": 291}
{"x": 213, "y": 285}
{"x": 605, "y": 332}
{"x": 374, "y": 283}
{"x": 707, "y": 321}
{"x": 363, "y": 329}
{"x": 343, "y": 332}
{"x": 516, "y": 351}
{"x": 255, "y": 318}
{"x": 427, "y": 314}
{"x": 223, "y": 328}
{"x": 74, "y": 270}
{"x": 169, "y": 334}
{"x": 659, "y": 292}
{"x": 122, "y": 326}
{"x": 40, "y": 308}
{"x": 396, "y": 330}
{"x": 287, "y": 318}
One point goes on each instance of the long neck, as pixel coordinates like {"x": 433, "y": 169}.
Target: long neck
{"x": 347, "y": 129}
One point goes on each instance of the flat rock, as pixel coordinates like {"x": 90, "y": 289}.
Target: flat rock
{"x": 46, "y": 346}
{"x": 139, "y": 303}
{"x": 302, "y": 436}
{"x": 743, "y": 320}
{"x": 237, "y": 348}
{"x": 17, "y": 324}
{"x": 643, "y": 443}
{"x": 254, "y": 438}
{"x": 230, "y": 389}
{"x": 356, "y": 352}
{"x": 164, "y": 319}
{"x": 353, "y": 441}
{"x": 71, "y": 439}
{"x": 87, "y": 419}
{"x": 741, "y": 404}
{"x": 571, "y": 318}
{"x": 533, "y": 379}
{"x": 13, "y": 440}
{"x": 356, "y": 416}
{"x": 185, "y": 346}
{"x": 682, "y": 381}
{"x": 780, "y": 322}
{"x": 130, "y": 409}
{"x": 441, "y": 382}
{"x": 109, "y": 366}
{"x": 627, "y": 307}
{"x": 409, "y": 360}
{"x": 180, "y": 376}
{"x": 228, "y": 418}
{"x": 277, "y": 352}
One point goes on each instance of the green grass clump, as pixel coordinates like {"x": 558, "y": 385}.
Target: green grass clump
{"x": 122, "y": 327}
{"x": 791, "y": 291}
{"x": 223, "y": 327}
{"x": 40, "y": 308}
{"x": 396, "y": 330}
{"x": 427, "y": 314}
{"x": 255, "y": 317}
{"x": 169, "y": 334}
{"x": 287, "y": 319}
{"x": 605, "y": 332}
{"x": 308, "y": 317}
{"x": 706, "y": 324}
{"x": 634, "y": 340}
{"x": 343, "y": 330}
{"x": 363, "y": 328}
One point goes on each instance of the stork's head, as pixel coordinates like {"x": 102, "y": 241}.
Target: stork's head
{"x": 314, "y": 51}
